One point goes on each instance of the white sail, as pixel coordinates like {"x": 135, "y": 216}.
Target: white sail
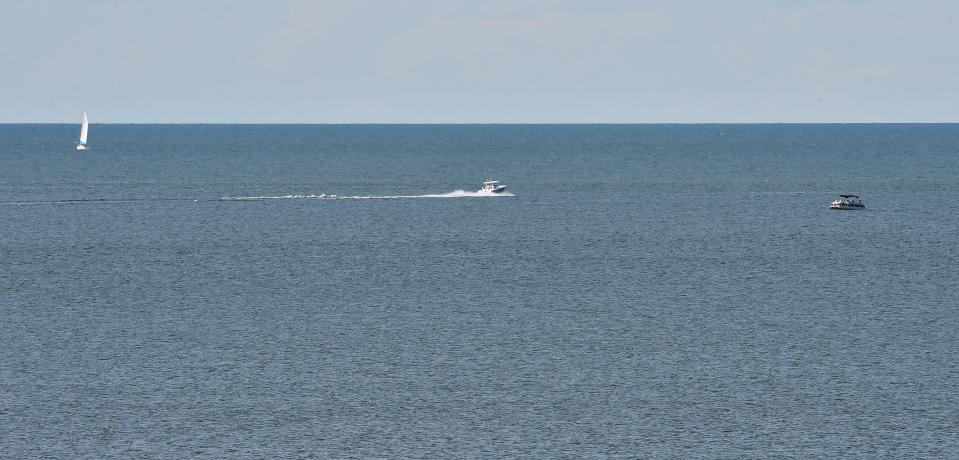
{"x": 83, "y": 129}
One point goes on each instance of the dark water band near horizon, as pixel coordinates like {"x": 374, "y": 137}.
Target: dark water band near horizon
{"x": 647, "y": 291}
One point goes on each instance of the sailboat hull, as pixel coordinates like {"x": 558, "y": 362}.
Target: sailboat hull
{"x": 81, "y": 147}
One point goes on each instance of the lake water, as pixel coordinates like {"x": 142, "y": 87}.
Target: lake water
{"x": 649, "y": 291}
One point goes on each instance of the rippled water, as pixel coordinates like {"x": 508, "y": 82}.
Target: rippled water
{"x": 648, "y": 291}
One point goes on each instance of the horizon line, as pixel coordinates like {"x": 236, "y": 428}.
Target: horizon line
{"x": 494, "y": 123}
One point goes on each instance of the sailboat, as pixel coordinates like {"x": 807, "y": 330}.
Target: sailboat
{"x": 82, "y": 145}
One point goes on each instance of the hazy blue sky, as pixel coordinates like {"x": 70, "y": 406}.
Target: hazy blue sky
{"x": 330, "y": 61}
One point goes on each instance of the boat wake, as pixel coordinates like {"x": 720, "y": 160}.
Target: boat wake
{"x": 453, "y": 194}
{"x": 94, "y": 201}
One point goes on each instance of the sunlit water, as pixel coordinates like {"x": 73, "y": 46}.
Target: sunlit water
{"x": 647, "y": 291}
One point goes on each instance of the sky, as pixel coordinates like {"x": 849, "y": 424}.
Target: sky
{"x": 469, "y": 61}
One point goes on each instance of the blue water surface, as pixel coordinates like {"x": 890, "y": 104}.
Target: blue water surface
{"x": 190, "y": 291}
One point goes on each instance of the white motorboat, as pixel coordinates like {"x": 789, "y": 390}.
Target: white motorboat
{"x": 847, "y": 202}
{"x": 82, "y": 145}
{"x": 492, "y": 186}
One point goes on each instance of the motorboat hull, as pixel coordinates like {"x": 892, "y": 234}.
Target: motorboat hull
{"x": 492, "y": 186}
{"x": 847, "y": 202}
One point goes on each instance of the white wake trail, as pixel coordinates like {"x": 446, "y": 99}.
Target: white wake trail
{"x": 453, "y": 194}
